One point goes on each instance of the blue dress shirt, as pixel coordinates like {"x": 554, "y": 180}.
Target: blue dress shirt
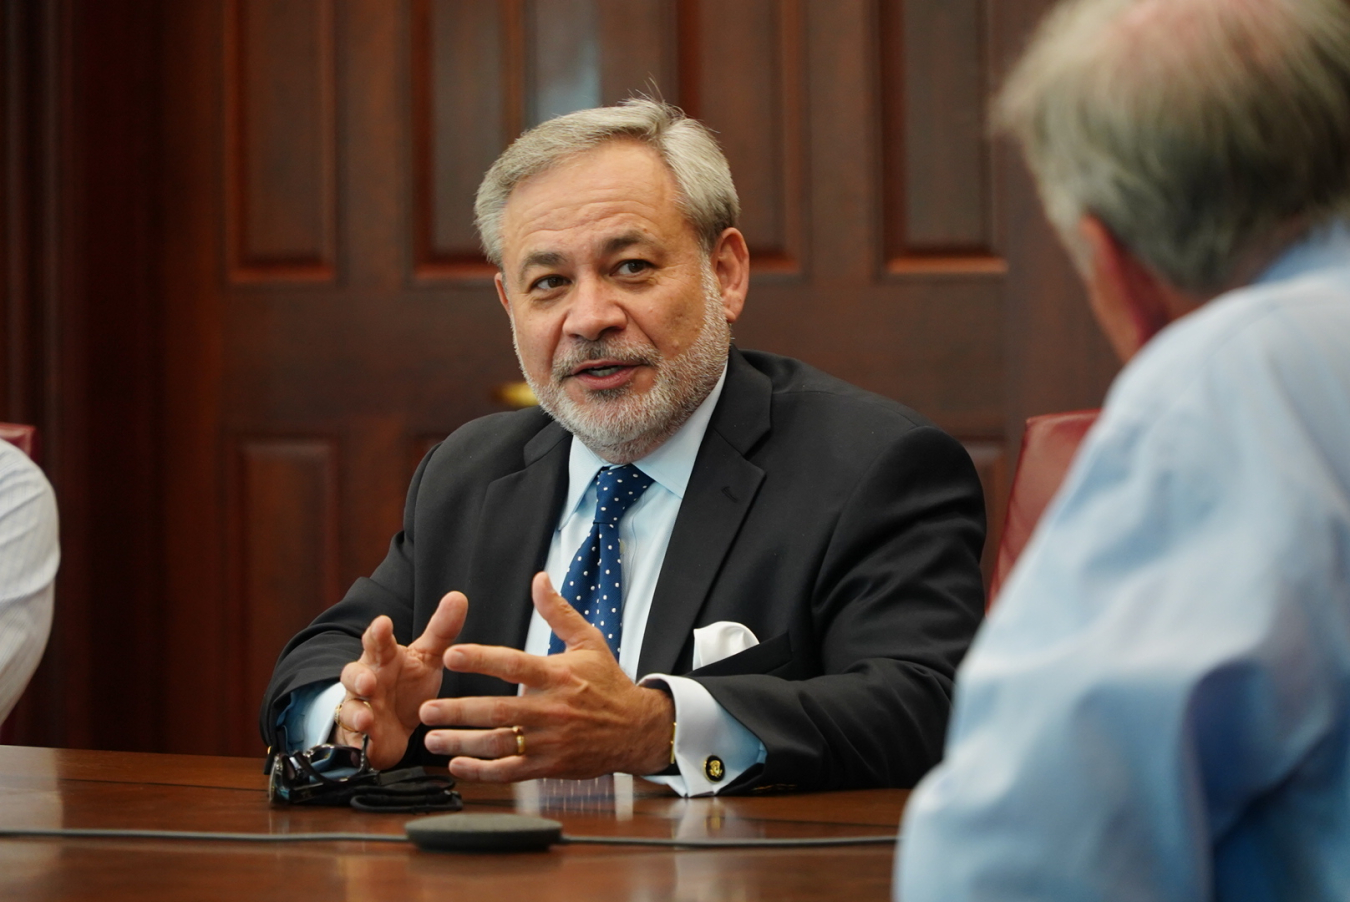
{"x": 1159, "y": 706}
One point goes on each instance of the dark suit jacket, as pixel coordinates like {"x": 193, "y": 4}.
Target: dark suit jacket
{"x": 842, "y": 528}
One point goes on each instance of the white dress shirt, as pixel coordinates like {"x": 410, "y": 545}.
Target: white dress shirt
{"x": 1159, "y": 705}
{"x": 29, "y": 556}
{"x": 703, "y": 726}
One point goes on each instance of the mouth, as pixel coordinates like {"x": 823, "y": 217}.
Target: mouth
{"x": 603, "y": 374}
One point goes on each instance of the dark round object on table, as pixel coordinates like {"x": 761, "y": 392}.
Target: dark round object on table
{"x": 483, "y": 833}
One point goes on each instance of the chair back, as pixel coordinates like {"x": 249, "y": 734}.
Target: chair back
{"x": 25, "y": 437}
{"x": 1048, "y": 448}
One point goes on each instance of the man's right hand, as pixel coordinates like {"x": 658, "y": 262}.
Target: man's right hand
{"x": 388, "y": 684}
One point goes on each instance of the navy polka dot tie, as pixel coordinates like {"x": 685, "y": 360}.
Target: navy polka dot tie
{"x": 594, "y": 582}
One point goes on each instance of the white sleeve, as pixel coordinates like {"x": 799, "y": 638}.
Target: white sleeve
{"x": 29, "y": 556}
{"x": 705, "y": 731}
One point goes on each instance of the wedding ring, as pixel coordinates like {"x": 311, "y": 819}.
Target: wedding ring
{"x": 337, "y": 714}
{"x": 520, "y": 740}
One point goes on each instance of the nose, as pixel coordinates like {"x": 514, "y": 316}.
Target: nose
{"x": 594, "y": 310}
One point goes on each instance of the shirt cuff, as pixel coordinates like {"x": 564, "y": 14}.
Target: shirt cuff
{"x": 712, "y": 748}
{"x": 308, "y": 715}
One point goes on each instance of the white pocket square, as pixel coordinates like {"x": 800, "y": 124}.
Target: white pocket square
{"x": 721, "y": 640}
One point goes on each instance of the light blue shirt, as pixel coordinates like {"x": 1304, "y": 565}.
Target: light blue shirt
{"x": 1159, "y": 706}
{"x": 704, "y": 727}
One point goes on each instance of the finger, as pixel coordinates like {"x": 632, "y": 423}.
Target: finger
{"x": 356, "y": 716}
{"x": 485, "y": 711}
{"x": 359, "y": 680}
{"x": 567, "y": 622}
{"x": 444, "y": 625}
{"x": 497, "y": 743}
{"x": 504, "y": 663}
{"x": 378, "y": 646}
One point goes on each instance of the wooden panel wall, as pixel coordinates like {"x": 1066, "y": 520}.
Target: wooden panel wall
{"x": 280, "y": 137}
{"x": 283, "y": 551}
{"x": 258, "y": 216}
{"x": 939, "y": 193}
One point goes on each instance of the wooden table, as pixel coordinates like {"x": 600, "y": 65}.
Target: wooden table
{"x": 67, "y": 788}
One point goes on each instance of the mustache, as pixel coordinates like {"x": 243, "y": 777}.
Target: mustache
{"x": 582, "y": 352}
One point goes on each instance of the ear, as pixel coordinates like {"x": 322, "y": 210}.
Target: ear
{"x": 731, "y": 265}
{"x": 1131, "y": 303}
{"x": 501, "y": 292}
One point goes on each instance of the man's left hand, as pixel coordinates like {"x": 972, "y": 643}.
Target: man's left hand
{"x": 579, "y": 716}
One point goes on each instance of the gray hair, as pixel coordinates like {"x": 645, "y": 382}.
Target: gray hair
{"x": 707, "y": 194}
{"x": 1194, "y": 130}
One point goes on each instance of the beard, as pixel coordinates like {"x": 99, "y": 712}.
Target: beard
{"x": 619, "y": 424}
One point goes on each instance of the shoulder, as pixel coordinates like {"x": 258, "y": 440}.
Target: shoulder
{"x": 818, "y": 421}
{"x": 1261, "y": 359}
{"x": 799, "y": 390}
{"x": 811, "y": 406}
{"x": 497, "y": 444}
{"x": 28, "y": 517}
{"x": 1218, "y": 459}
{"x": 22, "y": 482}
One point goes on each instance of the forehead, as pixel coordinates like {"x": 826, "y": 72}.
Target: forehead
{"x": 621, "y": 186}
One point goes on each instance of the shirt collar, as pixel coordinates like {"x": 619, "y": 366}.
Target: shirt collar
{"x": 1324, "y": 247}
{"x": 670, "y": 465}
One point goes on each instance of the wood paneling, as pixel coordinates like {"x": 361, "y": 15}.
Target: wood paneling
{"x": 563, "y": 61}
{"x": 939, "y": 205}
{"x": 504, "y": 67}
{"x": 742, "y": 75}
{"x": 638, "y": 48}
{"x": 284, "y": 559}
{"x": 466, "y": 67}
{"x": 281, "y": 151}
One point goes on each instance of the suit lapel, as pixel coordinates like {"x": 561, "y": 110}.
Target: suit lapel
{"x": 721, "y": 490}
{"x": 520, "y": 512}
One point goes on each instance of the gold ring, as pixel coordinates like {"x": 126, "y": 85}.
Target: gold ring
{"x": 337, "y": 714}
{"x": 520, "y": 740}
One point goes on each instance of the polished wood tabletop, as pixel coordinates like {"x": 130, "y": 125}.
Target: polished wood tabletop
{"x": 90, "y": 789}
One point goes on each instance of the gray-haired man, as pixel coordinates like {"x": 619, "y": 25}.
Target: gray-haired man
{"x": 1159, "y": 707}
{"x": 803, "y": 554}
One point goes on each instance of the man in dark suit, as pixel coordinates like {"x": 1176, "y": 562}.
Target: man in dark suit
{"x": 805, "y": 553}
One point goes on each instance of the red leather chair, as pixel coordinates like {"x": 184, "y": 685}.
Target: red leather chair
{"x": 24, "y": 436}
{"x": 1048, "y": 447}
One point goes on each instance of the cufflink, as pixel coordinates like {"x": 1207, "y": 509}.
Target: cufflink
{"x": 713, "y": 769}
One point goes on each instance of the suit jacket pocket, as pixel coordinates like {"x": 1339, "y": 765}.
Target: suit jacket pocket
{"x": 772, "y": 657}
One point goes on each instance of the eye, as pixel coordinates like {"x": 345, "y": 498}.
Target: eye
{"x": 632, "y": 267}
{"x": 548, "y": 283}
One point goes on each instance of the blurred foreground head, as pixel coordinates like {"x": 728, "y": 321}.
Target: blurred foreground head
{"x": 1197, "y": 132}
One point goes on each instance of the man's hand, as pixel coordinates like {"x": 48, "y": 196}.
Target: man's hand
{"x": 389, "y": 682}
{"x": 579, "y": 717}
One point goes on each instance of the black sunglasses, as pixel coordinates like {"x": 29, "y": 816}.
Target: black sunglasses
{"x": 307, "y": 776}
{"x": 342, "y": 775}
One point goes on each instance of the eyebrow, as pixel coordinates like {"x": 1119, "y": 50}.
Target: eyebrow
{"x": 624, "y": 240}
{"x": 539, "y": 258}
{"x": 549, "y": 259}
